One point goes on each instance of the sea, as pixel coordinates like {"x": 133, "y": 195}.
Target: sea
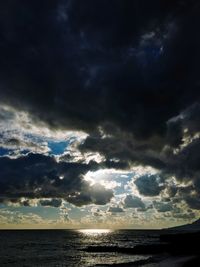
{"x": 70, "y": 247}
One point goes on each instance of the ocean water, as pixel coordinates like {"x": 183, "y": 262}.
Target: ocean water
{"x": 69, "y": 247}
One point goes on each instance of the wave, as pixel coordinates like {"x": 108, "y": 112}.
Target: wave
{"x": 135, "y": 263}
{"x": 138, "y": 249}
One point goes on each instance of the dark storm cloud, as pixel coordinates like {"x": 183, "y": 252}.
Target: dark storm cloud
{"x": 191, "y": 195}
{"x": 149, "y": 185}
{"x": 123, "y": 71}
{"x": 171, "y": 191}
{"x": 193, "y": 201}
{"x": 124, "y": 147}
{"x": 186, "y": 163}
{"x": 187, "y": 123}
{"x": 39, "y": 176}
{"x": 78, "y": 65}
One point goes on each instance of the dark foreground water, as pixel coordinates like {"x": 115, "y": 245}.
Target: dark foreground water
{"x": 69, "y": 247}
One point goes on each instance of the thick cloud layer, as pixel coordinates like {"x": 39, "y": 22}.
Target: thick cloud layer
{"x": 125, "y": 72}
{"x": 81, "y": 65}
{"x": 39, "y": 176}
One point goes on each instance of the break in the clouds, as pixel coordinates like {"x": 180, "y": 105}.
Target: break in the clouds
{"x": 40, "y": 176}
{"x": 89, "y": 88}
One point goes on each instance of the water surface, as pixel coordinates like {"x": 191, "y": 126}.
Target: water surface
{"x": 66, "y": 247}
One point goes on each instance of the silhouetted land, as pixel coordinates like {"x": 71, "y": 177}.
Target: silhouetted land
{"x": 183, "y": 244}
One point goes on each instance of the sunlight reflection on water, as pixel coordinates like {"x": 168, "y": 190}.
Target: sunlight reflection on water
{"x": 95, "y": 232}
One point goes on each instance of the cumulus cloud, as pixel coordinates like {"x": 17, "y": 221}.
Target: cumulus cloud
{"x": 40, "y": 176}
{"x": 133, "y": 202}
{"x": 114, "y": 209}
{"x": 149, "y": 185}
{"x": 16, "y": 217}
{"x": 96, "y": 194}
{"x": 56, "y": 203}
{"x": 162, "y": 206}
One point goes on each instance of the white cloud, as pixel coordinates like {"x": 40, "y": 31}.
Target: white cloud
{"x": 21, "y": 132}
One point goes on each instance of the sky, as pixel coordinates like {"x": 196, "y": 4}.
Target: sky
{"x": 99, "y": 113}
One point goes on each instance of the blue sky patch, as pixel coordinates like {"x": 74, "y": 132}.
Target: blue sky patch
{"x": 58, "y": 148}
